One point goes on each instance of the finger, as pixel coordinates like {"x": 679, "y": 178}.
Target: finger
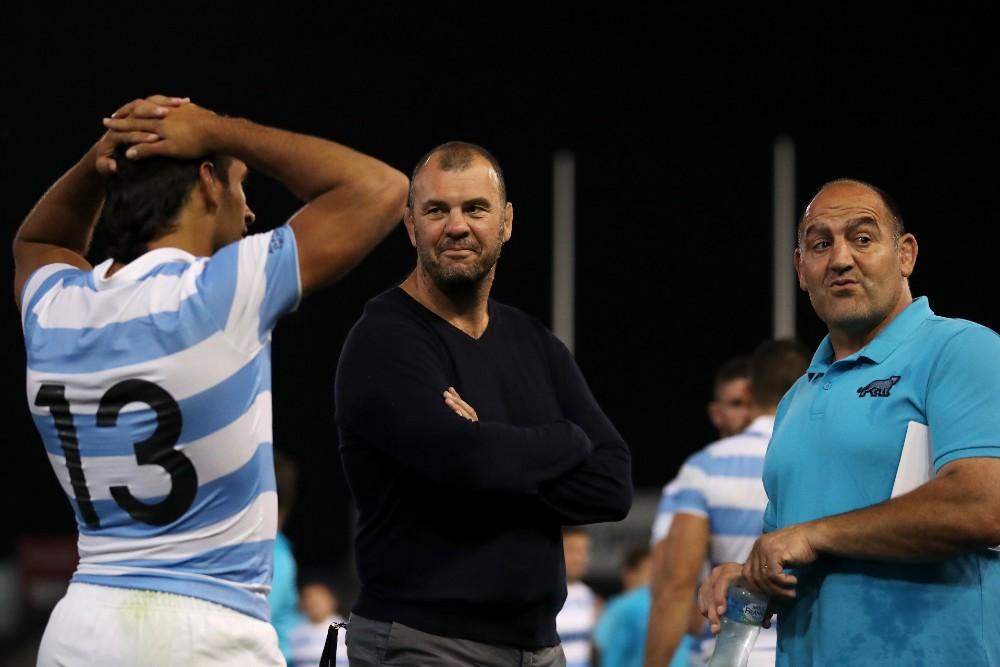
{"x": 147, "y": 150}
{"x": 718, "y": 604}
{"x": 166, "y": 100}
{"x": 457, "y": 407}
{"x": 468, "y": 409}
{"x": 147, "y": 109}
{"x": 155, "y": 106}
{"x": 131, "y": 137}
{"x": 106, "y": 165}
{"x": 125, "y": 109}
{"x": 450, "y": 402}
{"x": 749, "y": 572}
{"x": 752, "y": 570}
{"x": 132, "y": 124}
{"x": 781, "y": 585}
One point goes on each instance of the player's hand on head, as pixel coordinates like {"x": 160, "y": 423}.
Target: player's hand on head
{"x": 151, "y": 108}
{"x": 184, "y": 131}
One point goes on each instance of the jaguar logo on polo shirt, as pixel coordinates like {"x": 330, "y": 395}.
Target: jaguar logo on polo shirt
{"x": 879, "y": 388}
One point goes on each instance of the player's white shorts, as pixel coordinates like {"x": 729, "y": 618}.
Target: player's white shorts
{"x": 101, "y": 625}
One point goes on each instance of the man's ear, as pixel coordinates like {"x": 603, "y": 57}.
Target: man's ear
{"x": 408, "y": 222}
{"x": 209, "y": 186}
{"x": 508, "y": 221}
{"x": 907, "y": 254}
{"x": 714, "y": 411}
{"x": 797, "y": 259}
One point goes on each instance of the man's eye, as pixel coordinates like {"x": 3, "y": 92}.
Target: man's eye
{"x": 864, "y": 240}
{"x": 820, "y": 245}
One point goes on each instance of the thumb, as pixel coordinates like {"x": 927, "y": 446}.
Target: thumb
{"x": 145, "y": 150}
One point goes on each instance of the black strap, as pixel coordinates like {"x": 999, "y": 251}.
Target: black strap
{"x": 329, "y": 657}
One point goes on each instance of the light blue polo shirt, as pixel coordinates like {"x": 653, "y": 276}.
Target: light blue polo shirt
{"x": 837, "y": 441}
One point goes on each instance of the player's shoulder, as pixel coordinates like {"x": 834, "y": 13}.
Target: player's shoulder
{"x": 49, "y": 276}
{"x": 951, "y": 330}
{"x": 715, "y": 455}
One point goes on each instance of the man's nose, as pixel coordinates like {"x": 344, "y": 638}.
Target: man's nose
{"x": 456, "y": 224}
{"x": 841, "y": 257}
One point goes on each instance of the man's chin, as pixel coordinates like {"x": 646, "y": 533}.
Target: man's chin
{"x": 452, "y": 281}
{"x": 851, "y": 319}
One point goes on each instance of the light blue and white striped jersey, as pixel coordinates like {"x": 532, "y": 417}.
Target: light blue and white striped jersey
{"x": 575, "y": 624}
{"x": 151, "y": 390}
{"x": 723, "y": 483}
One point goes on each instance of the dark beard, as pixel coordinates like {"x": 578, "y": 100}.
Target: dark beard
{"x": 458, "y": 280}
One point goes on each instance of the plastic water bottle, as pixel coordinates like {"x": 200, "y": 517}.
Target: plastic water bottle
{"x": 740, "y": 626}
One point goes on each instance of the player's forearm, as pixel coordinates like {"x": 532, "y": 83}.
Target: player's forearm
{"x": 66, "y": 214}
{"x": 954, "y": 513}
{"x": 669, "y": 618}
{"x": 308, "y": 166}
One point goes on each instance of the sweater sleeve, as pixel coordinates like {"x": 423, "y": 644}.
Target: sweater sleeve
{"x": 388, "y": 391}
{"x": 600, "y": 488}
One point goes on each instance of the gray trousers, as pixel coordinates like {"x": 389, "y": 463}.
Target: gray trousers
{"x": 375, "y": 643}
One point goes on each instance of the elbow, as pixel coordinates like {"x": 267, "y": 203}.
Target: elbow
{"x": 617, "y": 501}
{"x": 616, "y": 505}
{"x": 622, "y": 504}
{"x": 625, "y": 491}
{"x": 392, "y": 191}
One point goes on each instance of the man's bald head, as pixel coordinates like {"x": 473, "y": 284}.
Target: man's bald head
{"x": 891, "y": 207}
{"x": 458, "y": 156}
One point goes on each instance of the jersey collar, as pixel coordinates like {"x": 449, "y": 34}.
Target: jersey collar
{"x": 884, "y": 344}
{"x": 138, "y": 267}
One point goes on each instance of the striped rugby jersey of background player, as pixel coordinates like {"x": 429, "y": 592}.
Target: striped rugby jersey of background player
{"x": 151, "y": 390}
{"x": 723, "y": 483}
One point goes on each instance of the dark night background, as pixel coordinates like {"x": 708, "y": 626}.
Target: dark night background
{"x": 671, "y": 117}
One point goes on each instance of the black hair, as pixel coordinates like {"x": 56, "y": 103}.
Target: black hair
{"x": 144, "y": 197}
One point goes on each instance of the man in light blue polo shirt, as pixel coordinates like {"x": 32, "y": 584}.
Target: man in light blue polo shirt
{"x": 858, "y": 578}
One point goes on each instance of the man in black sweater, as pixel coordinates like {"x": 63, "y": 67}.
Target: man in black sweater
{"x": 469, "y": 437}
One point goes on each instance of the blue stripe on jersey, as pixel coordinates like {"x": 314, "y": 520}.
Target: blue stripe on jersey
{"x": 87, "y": 350}
{"x": 81, "y": 279}
{"x": 220, "y": 593}
{"x": 282, "y": 274}
{"x": 214, "y": 501}
{"x": 229, "y": 399}
{"x": 177, "y": 268}
{"x": 218, "y": 280}
{"x": 249, "y": 562}
{"x": 729, "y": 522}
{"x": 666, "y": 504}
{"x": 686, "y": 498}
{"x": 729, "y": 466}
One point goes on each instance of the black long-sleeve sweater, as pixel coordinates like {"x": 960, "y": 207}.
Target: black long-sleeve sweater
{"x": 459, "y": 532}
